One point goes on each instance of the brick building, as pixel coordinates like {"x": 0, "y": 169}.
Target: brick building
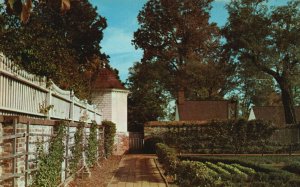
{"x": 204, "y": 110}
{"x": 271, "y": 113}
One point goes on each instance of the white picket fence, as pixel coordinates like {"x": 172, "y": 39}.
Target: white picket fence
{"x": 25, "y": 94}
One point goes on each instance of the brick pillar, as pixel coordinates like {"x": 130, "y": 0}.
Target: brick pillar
{"x": 6, "y": 149}
{"x": 121, "y": 143}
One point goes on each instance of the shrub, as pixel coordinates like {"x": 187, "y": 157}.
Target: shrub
{"x": 247, "y": 170}
{"x": 77, "y": 149}
{"x": 92, "y": 147}
{"x": 150, "y": 144}
{"x": 167, "y": 157}
{"x": 109, "y": 136}
{"x": 222, "y": 172}
{"x": 293, "y": 167}
{"x": 49, "y": 165}
{"x": 233, "y": 170}
{"x": 191, "y": 173}
{"x": 229, "y": 136}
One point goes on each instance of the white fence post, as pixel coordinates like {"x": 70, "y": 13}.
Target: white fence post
{"x": 94, "y": 108}
{"x": 48, "y": 103}
{"x": 72, "y": 106}
{"x": 23, "y": 93}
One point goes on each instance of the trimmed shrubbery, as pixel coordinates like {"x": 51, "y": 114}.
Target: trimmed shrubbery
{"x": 167, "y": 156}
{"x": 150, "y": 144}
{"x": 214, "y": 171}
{"x": 109, "y": 136}
{"x": 92, "y": 147}
{"x": 230, "y": 136}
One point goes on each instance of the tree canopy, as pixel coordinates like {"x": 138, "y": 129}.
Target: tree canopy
{"x": 23, "y": 8}
{"x": 148, "y": 100}
{"x": 268, "y": 40}
{"x": 63, "y": 47}
{"x": 177, "y": 36}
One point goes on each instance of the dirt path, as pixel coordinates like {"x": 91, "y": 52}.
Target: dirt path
{"x": 100, "y": 176}
{"x": 137, "y": 171}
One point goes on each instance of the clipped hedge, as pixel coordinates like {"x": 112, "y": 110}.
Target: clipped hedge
{"x": 215, "y": 171}
{"x": 191, "y": 173}
{"x": 150, "y": 144}
{"x": 109, "y": 137}
{"x": 167, "y": 157}
{"x": 229, "y": 136}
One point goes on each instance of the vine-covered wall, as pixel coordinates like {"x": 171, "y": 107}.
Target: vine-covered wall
{"x": 48, "y": 144}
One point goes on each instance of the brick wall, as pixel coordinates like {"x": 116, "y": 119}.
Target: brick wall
{"x": 121, "y": 143}
{"x": 40, "y": 131}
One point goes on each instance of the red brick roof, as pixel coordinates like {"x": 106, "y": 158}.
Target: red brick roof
{"x": 273, "y": 113}
{"x": 205, "y": 110}
{"x": 107, "y": 79}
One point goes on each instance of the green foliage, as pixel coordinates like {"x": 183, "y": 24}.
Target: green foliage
{"x": 181, "y": 51}
{"x": 247, "y": 170}
{"x": 265, "y": 39}
{"x": 49, "y": 166}
{"x": 167, "y": 157}
{"x": 191, "y": 174}
{"x": 77, "y": 149}
{"x": 221, "y": 171}
{"x": 294, "y": 167}
{"x": 63, "y": 47}
{"x": 233, "y": 170}
{"x": 224, "y": 174}
{"x": 231, "y": 136}
{"x": 109, "y": 136}
{"x": 150, "y": 144}
{"x": 92, "y": 146}
{"x": 148, "y": 98}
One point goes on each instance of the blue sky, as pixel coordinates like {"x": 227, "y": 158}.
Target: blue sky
{"x": 121, "y": 17}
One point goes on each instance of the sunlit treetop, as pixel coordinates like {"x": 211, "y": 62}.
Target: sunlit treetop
{"x": 22, "y": 8}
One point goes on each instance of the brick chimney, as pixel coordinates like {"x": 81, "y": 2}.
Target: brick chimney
{"x": 181, "y": 98}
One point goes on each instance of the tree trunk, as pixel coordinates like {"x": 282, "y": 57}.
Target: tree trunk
{"x": 287, "y": 101}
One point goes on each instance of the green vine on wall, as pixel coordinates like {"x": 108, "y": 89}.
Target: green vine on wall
{"x": 77, "y": 149}
{"x": 49, "y": 165}
{"x": 109, "y": 136}
{"x": 92, "y": 146}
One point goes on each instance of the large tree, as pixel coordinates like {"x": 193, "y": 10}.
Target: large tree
{"x": 267, "y": 39}
{"x": 148, "y": 101}
{"x": 63, "y": 47}
{"x": 177, "y": 36}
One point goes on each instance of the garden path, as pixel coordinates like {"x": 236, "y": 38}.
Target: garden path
{"x": 137, "y": 171}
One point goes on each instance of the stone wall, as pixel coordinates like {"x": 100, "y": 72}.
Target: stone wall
{"x": 40, "y": 133}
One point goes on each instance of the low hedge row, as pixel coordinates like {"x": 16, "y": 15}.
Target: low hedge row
{"x": 168, "y": 157}
{"x": 201, "y": 171}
